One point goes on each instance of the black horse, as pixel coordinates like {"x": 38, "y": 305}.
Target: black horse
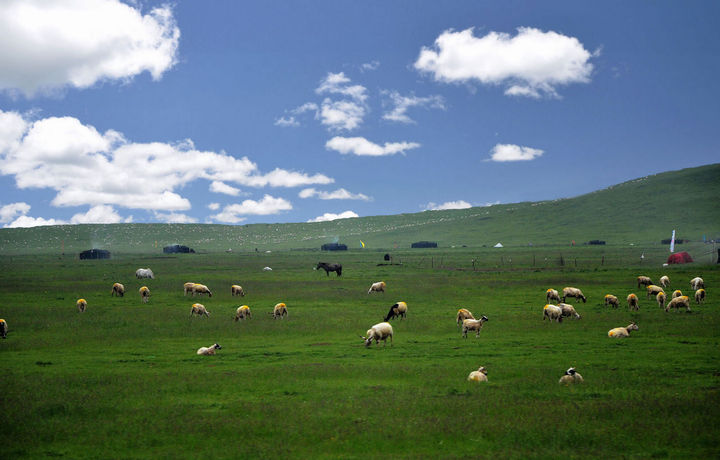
{"x": 330, "y": 268}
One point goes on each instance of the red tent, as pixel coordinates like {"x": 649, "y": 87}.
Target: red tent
{"x": 679, "y": 258}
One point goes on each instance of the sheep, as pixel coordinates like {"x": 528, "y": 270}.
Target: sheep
{"x": 643, "y": 281}
{"x": 280, "y": 311}
{"x": 237, "y": 290}
{"x": 479, "y": 375}
{"x": 473, "y": 325}
{"x": 652, "y": 291}
{"x": 677, "y": 302}
{"x": 118, "y": 290}
{"x": 399, "y": 309}
{"x": 243, "y": 312}
{"x": 552, "y": 312}
{"x": 377, "y": 287}
{"x": 3, "y": 328}
{"x": 380, "y": 331}
{"x": 552, "y": 294}
{"x": 199, "y": 309}
{"x": 207, "y": 351}
{"x": 200, "y": 289}
{"x": 187, "y": 287}
{"x": 664, "y": 281}
{"x": 568, "y": 310}
{"x": 700, "y": 296}
{"x": 573, "y": 292}
{"x": 571, "y": 376}
{"x": 632, "y": 301}
{"x": 462, "y": 315}
{"x": 81, "y": 305}
{"x": 144, "y": 273}
{"x": 697, "y": 283}
{"x": 676, "y": 293}
{"x": 661, "y": 298}
{"x": 144, "y": 294}
{"x": 621, "y": 332}
{"x": 611, "y": 300}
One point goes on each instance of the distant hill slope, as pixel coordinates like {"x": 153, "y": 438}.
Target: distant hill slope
{"x": 641, "y": 210}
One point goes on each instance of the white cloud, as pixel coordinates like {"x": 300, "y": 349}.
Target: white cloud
{"x": 221, "y": 187}
{"x": 286, "y": 122}
{"x": 175, "y": 218}
{"x": 460, "y": 204}
{"x": 268, "y": 205}
{"x": 27, "y": 221}
{"x": 328, "y": 216}
{"x": 339, "y": 194}
{"x": 11, "y": 211}
{"x": 100, "y": 214}
{"x": 341, "y": 115}
{"x": 531, "y": 63}
{"x": 213, "y": 206}
{"x": 338, "y": 83}
{"x": 510, "y": 152}
{"x": 306, "y": 107}
{"x": 401, "y": 104}
{"x": 372, "y": 65}
{"x": 362, "y": 146}
{"x": 50, "y": 44}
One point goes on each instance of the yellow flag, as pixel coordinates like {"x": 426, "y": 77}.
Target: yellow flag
{"x": 363, "y": 244}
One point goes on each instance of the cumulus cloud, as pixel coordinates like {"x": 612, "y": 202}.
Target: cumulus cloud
{"x": 221, "y": 187}
{"x": 338, "y": 83}
{"x": 400, "y": 105}
{"x": 363, "y": 147}
{"x": 510, "y": 152}
{"x": 27, "y": 221}
{"x": 460, "y": 204}
{"x": 531, "y": 63}
{"x": 213, "y": 206}
{"x": 368, "y": 66}
{"x": 339, "y": 194}
{"x": 175, "y": 218}
{"x": 341, "y": 115}
{"x": 231, "y": 214}
{"x": 285, "y": 122}
{"x": 50, "y": 44}
{"x": 11, "y": 211}
{"x": 100, "y": 214}
{"x": 328, "y": 216}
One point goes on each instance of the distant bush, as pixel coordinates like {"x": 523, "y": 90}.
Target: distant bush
{"x": 598, "y": 242}
{"x": 424, "y": 244}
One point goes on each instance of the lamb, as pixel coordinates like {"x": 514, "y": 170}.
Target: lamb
{"x": 462, "y": 315}
{"x": 199, "y": 309}
{"x": 187, "y": 287}
{"x": 399, "y": 309}
{"x": 237, "y": 290}
{"x": 144, "y": 294}
{"x": 571, "y": 376}
{"x": 552, "y": 312}
{"x": 611, "y": 300}
{"x": 573, "y": 292}
{"x": 643, "y": 281}
{"x": 700, "y": 296}
{"x": 377, "y": 287}
{"x": 3, "y": 328}
{"x": 664, "y": 281}
{"x": 661, "y": 298}
{"x": 676, "y": 293}
{"x": 652, "y": 291}
{"x": 677, "y": 302}
{"x": 568, "y": 310}
{"x": 479, "y": 375}
{"x": 200, "y": 289}
{"x": 621, "y": 332}
{"x": 280, "y": 311}
{"x": 697, "y": 283}
{"x": 380, "y": 331}
{"x": 632, "y": 301}
{"x": 144, "y": 273}
{"x": 207, "y": 351}
{"x": 473, "y": 325}
{"x": 552, "y": 294}
{"x": 81, "y": 305}
{"x": 118, "y": 290}
{"x": 243, "y": 312}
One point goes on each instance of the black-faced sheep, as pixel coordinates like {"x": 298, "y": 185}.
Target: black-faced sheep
{"x": 187, "y": 287}
{"x": 3, "y": 328}
{"x": 208, "y": 351}
{"x": 552, "y": 312}
{"x": 568, "y": 310}
{"x": 697, "y": 283}
{"x": 552, "y": 294}
{"x": 377, "y": 287}
{"x": 144, "y": 294}
{"x": 571, "y": 376}
{"x": 199, "y": 309}
{"x": 632, "y": 301}
{"x": 380, "y": 331}
{"x": 243, "y": 312}
{"x": 462, "y": 315}
{"x": 144, "y": 273}
{"x": 664, "y": 281}
{"x": 237, "y": 290}
{"x": 611, "y": 300}
{"x": 652, "y": 291}
{"x": 399, "y": 309}
{"x": 643, "y": 281}
{"x": 678, "y": 302}
{"x": 118, "y": 290}
{"x": 573, "y": 292}
{"x": 479, "y": 375}
{"x": 473, "y": 325}
{"x": 661, "y": 298}
{"x": 676, "y": 293}
{"x": 81, "y": 305}
{"x": 621, "y": 332}
{"x": 700, "y": 296}
{"x": 280, "y": 311}
{"x": 200, "y": 289}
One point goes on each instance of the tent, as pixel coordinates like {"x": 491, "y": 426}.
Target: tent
{"x": 679, "y": 258}
{"x": 499, "y": 245}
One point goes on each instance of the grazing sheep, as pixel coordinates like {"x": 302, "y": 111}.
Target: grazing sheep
{"x": 552, "y": 312}
{"x": 479, "y": 375}
{"x": 652, "y": 291}
{"x": 144, "y": 273}
{"x": 677, "y": 302}
{"x": 187, "y": 287}
{"x": 473, "y": 325}
{"x": 237, "y": 290}
{"x": 700, "y": 296}
{"x": 632, "y": 301}
{"x": 571, "y": 376}
{"x": 643, "y": 281}
{"x": 377, "y": 287}
{"x": 573, "y": 292}
{"x": 199, "y": 309}
{"x": 552, "y": 294}
{"x": 676, "y": 293}
{"x": 661, "y": 298}
{"x": 3, "y": 328}
{"x": 462, "y": 315}
{"x": 399, "y": 309}
{"x": 200, "y": 289}
{"x": 568, "y": 310}
{"x": 144, "y": 294}
{"x": 207, "y": 351}
{"x": 280, "y": 311}
{"x": 81, "y": 305}
{"x": 697, "y": 283}
{"x": 611, "y": 300}
{"x": 243, "y": 312}
{"x": 380, "y": 331}
{"x": 664, "y": 281}
{"x": 621, "y": 332}
{"x": 118, "y": 290}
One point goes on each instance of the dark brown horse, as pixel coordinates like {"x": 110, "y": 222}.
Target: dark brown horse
{"x": 330, "y": 268}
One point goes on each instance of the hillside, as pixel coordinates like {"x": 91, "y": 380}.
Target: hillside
{"x": 641, "y": 210}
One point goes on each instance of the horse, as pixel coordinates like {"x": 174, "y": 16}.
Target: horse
{"x": 330, "y": 268}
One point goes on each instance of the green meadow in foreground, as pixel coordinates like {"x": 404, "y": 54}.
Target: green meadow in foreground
{"x": 123, "y": 380}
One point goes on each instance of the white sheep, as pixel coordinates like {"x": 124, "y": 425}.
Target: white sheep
{"x": 377, "y": 287}
{"x": 200, "y": 289}
{"x": 643, "y": 281}
{"x": 237, "y": 290}
{"x": 280, "y": 311}
{"x": 552, "y": 312}
{"x": 118, "y": 290}
{"x": 552, "y": 294}
{"x": 462, "y": 315}
{"x": 697, "y": 283}
{"x": 676, "y": 293}
{"x": 664, "y": 281}
{"x": 3, "y": 328}
{"x": 612, "y": 300}
{"x": 661, "y": 298}
{"x": 144, "y": 273}
{"x": 571, "y": 376}
{"x": 380, "y": 331}
{"x": 621, "y": 332}
{"x": 81, "y": 305}
{"x": 573, "y": 292}
{"x": 199, "y": 309}
{"x": 399, "y": 309}
{"x": 568, "y": 310}
{"x": 243, "y": 312}
{"x": 473, "y": 325}
{"x": 187, "y": 287}
{"x": 479, "y": 375}
{"x": 207, "y": 351}
{"x": 700, "y": 296}
{"x": 653, "y": 290}
{"x": 677, "y": 302}
{"x": 144, "y": 294}
{"x": 632, "y": 301}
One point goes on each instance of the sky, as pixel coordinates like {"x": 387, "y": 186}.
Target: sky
{"x": 282, "y": 111}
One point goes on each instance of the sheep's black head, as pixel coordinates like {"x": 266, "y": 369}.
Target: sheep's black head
{"x": 570, "y": 371}
{"x": 217, "y": 346}
{"x": 484, "y": 318}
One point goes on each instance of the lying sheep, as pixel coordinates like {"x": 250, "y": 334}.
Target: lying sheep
{"x": 676, "y": 293}
{"x": 700, "y": 296}
{"x": 199, "y": 309}
{"x": 399, "y": 309}
{"x": 661, "y": 298}
{"x": 118, "y": 290}
{"x": 571, "y": 376}
{"x": 611, "y": 300}
{"x": 144, "y": 294}
{"x": 697, "y": 283}
{"x": 677, "y": 302}
{"x": 573, "y": 292}
{"x": 380, "y": 331}
{"x": 207, "y": 351}
{"x": 237, "y": 290}
{"x": 552, "y": 312}
{"x": 479, "y": 375}
{"x": 243, "y": 312}
{"x": 552, "y": 294}
{"x": 200, "y": 289}
{"x": 643, "y": 281}
{"x": 81, "y": 305}
{"x": 632, "y": 301}
{"x": 568, "y": 310}
{"x": 462, "y": 315}
{"x": 3, "y": 328}
{"x": 473, "y": 325}
{"x": 377, "y": 287}
{"x": 144, "y": 273}
{"x": 280, "y": 311}
{"x": 187, "y": 287}
{"x": 664, "y": 281}
{"x": 621, "y": 332}
{"x": 653, "y": 291}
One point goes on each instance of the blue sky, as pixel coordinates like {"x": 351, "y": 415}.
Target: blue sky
{"x": 261, "y": 111}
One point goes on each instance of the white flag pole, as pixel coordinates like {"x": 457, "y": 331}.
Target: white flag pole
{"x": 672, "y": 242}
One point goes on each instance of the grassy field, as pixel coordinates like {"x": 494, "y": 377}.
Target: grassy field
{"x": 122, "y": 380}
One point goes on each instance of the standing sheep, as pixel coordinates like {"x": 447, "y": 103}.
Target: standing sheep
{"x": 237, "y": 290}
{"x": 473, "y": 325}
{"x": 243, "y": 312}
{"x": 643, "y": 281}
{"x": 552, "y": 294}
{"x": 573, "y": 292}
{"x": 199, "y": 309}
{"x": 552, "y": 312}
{"x": 208, "y": 351}
{"x": 81, "y": 305}
{"x": 399, "y": 309}
{"x": 3, "y": 328}
{"x": 479, "y": 375}
{"x": 661, "y": 298}
{"x": 187, "y": 287}
{"x": 380, "y": 331}
{"x": 144, "y": 294}
{"x": 652, "y": 291}
{"x": 611, "y": 300}
{"x": 632, "y": 301}
{"x": 622, "y": 332}
{"x": 697, "y": 283}
{"x": 664, "y": 281}
{"x": 200, "y": 289}
{"x": 144, "y": 273}
{"x": 118, "y": 290}
{"x": 676, "y": 293}
{"x": 568, "y": 310}
{"x": 462, "y": 315}
{"x": 377, "y": 287}
{"x": 571, "y": 376}
{"x": 700, "y": 296}
{"x": 280, "y": 311}
{"x": 677, "y": 302}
